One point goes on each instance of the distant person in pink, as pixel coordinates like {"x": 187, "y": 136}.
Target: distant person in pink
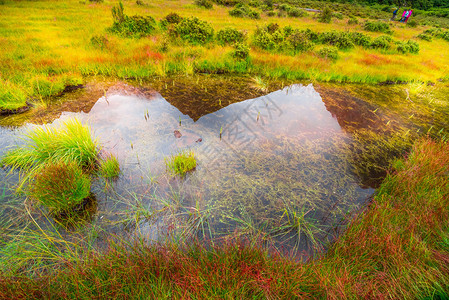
{"x": 409, "y": 15}
{"x": 404, "y": 16}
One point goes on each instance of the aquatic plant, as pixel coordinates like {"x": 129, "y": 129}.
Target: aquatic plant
{"x": 181, "y": 163}
{"x": 109, "y": 167}
{"x": 60, "y": 186}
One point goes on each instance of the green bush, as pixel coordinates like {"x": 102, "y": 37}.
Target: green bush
{"x": 138, "y": 26}
{"x": 325, "y": 15}
{"x": 381, "y": 42}
{"x": 243, "y": 11}
{"x": 353, "y": 21}
{"x": 285, "y": 7}
{"x": 299, "y": 42}
{"x": 99, "y": 41}
{"x": 204, "y": 3}
{"x": 60, "y": 186}
{"x": 272, "y": 27}
{"x": 312, "y": 35}
{"x": 328, "y": 52}
{"x": 377, "y": 26}
{"x": 341, "y": 40}
{"x": 226, "y": 2}
{"x": 296, "y": 13}
{"x": 412, "y": 23}
{"x": 241, "y": 51}
{"x": 360, "y": 39}
{"x": 194, "y": 30}
{"x": 408, "y": 47}
{"x": 337, "y": 15}
{"x": 230, "y": 36}
{"x": 424, "y": 36}
{"x": 173, "y": 18}
{"x": 271, "y": 13}
{"x": 263, "y": 40}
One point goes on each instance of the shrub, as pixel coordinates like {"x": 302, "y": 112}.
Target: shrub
{"x": 271, "y": 13}
{"x": 109, "y": 167}
{"x": 230, "y": 36}
{"x": 173, "y": 18}
{"x": 99, "y": 41}
{"x": 408, "y": 47}
{"x": 337, "y": 15}
{"x": 353, "y": 21}
{"x": 328, "y": 52}
{"x": 342, "y": 40}
{"x": 312, "y": 35}
{"x": 412, "y": 23}
{"x": 377, "y": 26}
{"x": 299, "y": 42}
{"x": 141, "y": 3}
{"x": 360, "y": 39}
{"x": 194, "y": 30}
{"x": 325, "y": 15}
{"x": 263, "y": 40}
{"x": 131, "y": 26}
{"x": 241, "y": 51}
{"x": 272, "y": 27}
{"x": 381, "y": 42}
{"x": 181, "y": 163}
{"x": 60, "y": 186}
{"x": 284, "y": 7}
{"x": 243, "y": 11}
{"x": 288, "y": 30}
{"x": 204, "y": 3}
{"x": 226, "y": 2}
{"x": 296, "y": 12}
{"x": 424, "y": 36}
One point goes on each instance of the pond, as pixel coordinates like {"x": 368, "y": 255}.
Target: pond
{"x": 286, "y": 165}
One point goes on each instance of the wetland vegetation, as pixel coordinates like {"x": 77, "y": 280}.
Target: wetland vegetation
{"x": 223, "y": 149}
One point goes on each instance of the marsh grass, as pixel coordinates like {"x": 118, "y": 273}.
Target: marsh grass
{"x": 181, "y": 163}
{"x": 109, "y": 167}
{"x": 69, "y": 142}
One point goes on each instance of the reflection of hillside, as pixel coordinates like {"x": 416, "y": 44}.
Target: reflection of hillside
{"x": 351, "y": 113}
{"x": 199, "y": 96}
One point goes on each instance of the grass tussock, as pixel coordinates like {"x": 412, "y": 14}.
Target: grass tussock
{"x": 109, "y": 167}
{"x": 396, "y": 248}
{"x": 181, "y": 163}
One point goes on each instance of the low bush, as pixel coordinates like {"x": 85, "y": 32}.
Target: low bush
{"x": 204, "y": 3}
{"x": 377, "y": 26}
{"x": 194, "y": 30}
{"x": 271, "y": 13}
{"x": 328, "y": 52}
{"x": 353, "y": 21}
{"x": 173, "y": 18}
{"x": 285, "y": 7}
{"x": 230, "y": 36}
{"x": 408, "y": 47}
{"x": 181, "y": 163}
{"x": 137, "y": 26}
{"x": 337, "y": 15}
{"x": 325, "y": 16}
{"x": 424, "y": 36}
{"x": 243, "y": 11}
{"x": 299, "y": 42}
{"x": 341, "y": 40}
{"x": 99, "y": 41}
{"x": 381, "y": 42}
{"x": 226, "y": 2}
{"x": 60, "y": 186}
{"x": 263, "y": 40}
{"x": 296, "y": 13}
{"x": 241, "y": 51}
{"x": 412, "y": 23}
{"x": 361, "y": 39}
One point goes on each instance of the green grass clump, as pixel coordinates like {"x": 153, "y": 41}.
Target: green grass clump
{"x": 109, "y": 167}
{"x": 70, "y": 142}
{"x": 11, "y": 96}
{"x": 181, "y": 163}
{"x": 60, "y": 186}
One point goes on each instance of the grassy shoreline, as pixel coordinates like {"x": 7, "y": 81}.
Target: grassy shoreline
{"x": 396, "y": 248}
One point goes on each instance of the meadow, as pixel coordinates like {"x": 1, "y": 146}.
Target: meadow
{"x": 394, "y": 247}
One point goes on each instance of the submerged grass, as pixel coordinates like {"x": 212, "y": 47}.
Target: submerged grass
{"x": 396, "y": 248}
{"x": 181, "y": 163}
